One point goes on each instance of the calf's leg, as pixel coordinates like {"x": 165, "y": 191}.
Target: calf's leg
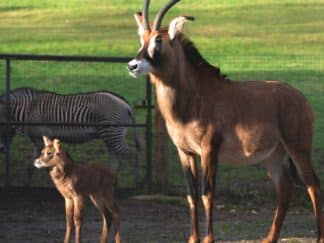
{"x": 77, "y": 217}
{"x": 69, "y": 219}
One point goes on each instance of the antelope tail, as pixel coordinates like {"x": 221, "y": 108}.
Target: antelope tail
{"x": 293, "y": 173}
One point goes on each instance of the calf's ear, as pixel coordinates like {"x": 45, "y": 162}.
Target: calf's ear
{"x": 47, "y": 141}
{"x": 57, "y": 145}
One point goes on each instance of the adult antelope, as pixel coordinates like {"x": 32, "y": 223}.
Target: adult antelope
{"x": 221, "y": 120}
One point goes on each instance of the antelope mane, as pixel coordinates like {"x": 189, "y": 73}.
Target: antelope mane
{"x": 196, "y": 59}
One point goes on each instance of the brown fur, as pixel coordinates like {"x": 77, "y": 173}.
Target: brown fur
{"x": 208, "y": 115}
{"x": 74, "y": 181}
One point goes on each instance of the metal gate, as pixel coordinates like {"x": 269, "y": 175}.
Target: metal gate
{"x": 58, "y": 73}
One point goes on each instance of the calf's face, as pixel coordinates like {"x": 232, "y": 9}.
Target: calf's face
{"x": 49, "y": 154}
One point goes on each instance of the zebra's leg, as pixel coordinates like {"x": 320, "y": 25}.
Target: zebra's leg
{"x": 133, "y": 161}
{"x": 117, "y": 160}
{"x": 114, "y": 138}
{"x": 131, "y": 155}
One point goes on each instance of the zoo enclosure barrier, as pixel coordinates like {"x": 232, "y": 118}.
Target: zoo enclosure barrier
{"x": 7, "y": 65}
{"x": 301, "y": 71}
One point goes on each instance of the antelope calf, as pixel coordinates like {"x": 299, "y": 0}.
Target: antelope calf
{"x": 74, "y": 181}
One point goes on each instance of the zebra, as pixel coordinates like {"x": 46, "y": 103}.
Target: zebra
{"x": 31, "y": 105}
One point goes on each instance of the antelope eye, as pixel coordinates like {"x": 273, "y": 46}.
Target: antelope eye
{"x": 158, "y": 39}
{"x": 49, "y": 153}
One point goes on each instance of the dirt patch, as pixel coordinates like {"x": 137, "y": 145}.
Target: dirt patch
{"x": 32, "y": 219}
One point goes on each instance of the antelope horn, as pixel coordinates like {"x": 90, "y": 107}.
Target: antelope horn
{"x": 162, "y": 12}
{"x": 145, "y": 15}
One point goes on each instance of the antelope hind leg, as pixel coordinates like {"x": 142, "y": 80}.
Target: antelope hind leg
{"x": 279, "y": 175}
{"x": 302, "y": 161}
{"x": 106, "y": 216}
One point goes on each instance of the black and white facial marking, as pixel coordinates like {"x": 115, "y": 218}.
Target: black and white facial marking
{"x": 44, "y": 158}
{"x": 48, "y": 153}
{"x": 148, "y": 57}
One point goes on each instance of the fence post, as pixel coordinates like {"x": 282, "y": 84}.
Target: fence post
{"x": 7, "y": 160}
{"x": 160, "y": 169}
{"x": 148, "y": 134}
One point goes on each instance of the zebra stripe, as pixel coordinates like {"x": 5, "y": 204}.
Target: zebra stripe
{"x": 33, "y": 105}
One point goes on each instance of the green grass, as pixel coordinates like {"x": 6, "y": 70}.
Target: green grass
{"x": 108, "y": 28}
{"x": 263, "y": 39}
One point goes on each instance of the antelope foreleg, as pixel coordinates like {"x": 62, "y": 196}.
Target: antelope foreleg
{"x": 188, "y": 164}
{"x": 209, "y": 170}
{"x": 69, "y": 219}
{"x": 78, "y": 207}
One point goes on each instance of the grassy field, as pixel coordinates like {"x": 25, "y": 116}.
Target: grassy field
{"x": 107, "y": 27}
{"x": 263, "y": 39}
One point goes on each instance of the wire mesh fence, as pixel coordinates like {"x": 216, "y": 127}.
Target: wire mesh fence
{"x": 72, "y": 76}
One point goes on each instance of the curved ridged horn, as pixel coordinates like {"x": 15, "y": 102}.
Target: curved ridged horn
{"x": 162, "y": 12}
{"x": 145, "y": 15}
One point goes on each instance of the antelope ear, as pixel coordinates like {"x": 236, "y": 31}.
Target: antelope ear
{"x": 139, "y": 20}
{"x": 57, "y": 145}
{"x": 176, "y": 25}
{"x": 47, "y": 141}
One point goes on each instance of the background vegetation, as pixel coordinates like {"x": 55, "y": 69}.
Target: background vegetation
{"x": 262, "y": 39}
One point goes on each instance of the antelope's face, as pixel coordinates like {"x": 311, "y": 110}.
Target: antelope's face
{"x": 151, "y": 54}
{"x": 157, "y": 47}
{"x": 49, "y": 154}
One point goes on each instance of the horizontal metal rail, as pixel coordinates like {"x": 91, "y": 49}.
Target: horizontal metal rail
{"x": 66, "y": 124}
{"x": 65, "y": 58}
{"x": 11, "y": 58}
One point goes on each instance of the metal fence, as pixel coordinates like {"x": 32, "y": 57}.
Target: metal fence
{"x": 78, "y": 74}
{"x": 72, "y": 74}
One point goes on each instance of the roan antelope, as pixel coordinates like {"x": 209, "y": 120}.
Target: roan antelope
{"x": 221, "y": 120}
{"x": 75, "y": 181}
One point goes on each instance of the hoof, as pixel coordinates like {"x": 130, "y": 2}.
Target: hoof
{"x": 208, "y": 239}
{"x": 266, "y": 240}
{"x": 193, "y": 239}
